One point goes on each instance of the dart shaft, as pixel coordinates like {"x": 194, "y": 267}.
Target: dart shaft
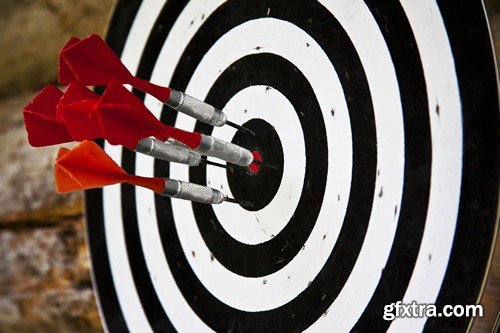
{"x": 192, "y": 192}
{"x": 195, "y": 108}
{"x": 168, "y": 151}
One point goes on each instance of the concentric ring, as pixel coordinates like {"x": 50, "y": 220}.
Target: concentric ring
{"x": 256, "y": 226}
{"x": 268, "y": 257}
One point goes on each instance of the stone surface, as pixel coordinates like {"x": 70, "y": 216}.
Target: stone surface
{"x": 34, "y": 30}
{"x": 45, "y": 283}
{"x": 42, "y": 257}
{"x": 61, "y": 310}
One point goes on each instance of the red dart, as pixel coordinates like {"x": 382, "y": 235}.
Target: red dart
{"x": 94, "y": 63}
{"x": 124, "y": 120}
{"x": 64, "y": 73}
{"x": 119, "y": 117}
{"x": 42, "y": 125}
{"x": 87, "y": 166}
{"x": 75, "y": 109}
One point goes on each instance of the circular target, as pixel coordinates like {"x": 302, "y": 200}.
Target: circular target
{"x": 380, "y": 121}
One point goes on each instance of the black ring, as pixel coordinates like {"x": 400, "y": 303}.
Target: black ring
{"x": 268, "y": 257}
{"x": 397, "y": 272}
{"x": 477, "y": 215}
{"x": 113, "y": 318}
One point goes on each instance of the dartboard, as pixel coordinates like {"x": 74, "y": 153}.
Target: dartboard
{"x": 380, "y": 121}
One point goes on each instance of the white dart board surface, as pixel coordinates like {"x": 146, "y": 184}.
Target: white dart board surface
{"x": 381, "y": 118}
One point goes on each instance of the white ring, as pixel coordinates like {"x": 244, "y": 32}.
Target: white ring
{"x": 254, "y": 227}
{"x": 446, "y": 133}
{"x": 113, "y": 220}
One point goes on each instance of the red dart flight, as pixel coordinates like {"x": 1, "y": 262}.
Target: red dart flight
{"x": 92, "y": 62}
{"x": 124, "y": 120}
{"x": 43, "y": 125}
{"x": 88, "y": 166}
{"x": 75, "y": 109}
{"x": 117, "y": 116}
{"x": 53, "y": 117}
{"x": 65, "y": 75}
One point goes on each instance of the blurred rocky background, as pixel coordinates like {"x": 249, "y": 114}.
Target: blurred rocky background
{"x": 44, "y": 270}
{"x": 45, "y": 283}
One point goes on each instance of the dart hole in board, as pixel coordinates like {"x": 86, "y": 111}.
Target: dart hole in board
{"x": 254, "y": 168}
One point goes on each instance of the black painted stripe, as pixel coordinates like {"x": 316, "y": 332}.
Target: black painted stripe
{"x": 164, "y": 23}
{"x": 112, "y": 315}
{"x": 119, "y": 28}
{"x": 148, "y": 297}
{"x": 396, "y": 275}
{"x": 153, "y": 309}
{"x": 466, "y": 24}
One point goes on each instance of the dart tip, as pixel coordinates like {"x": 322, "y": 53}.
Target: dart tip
{"x": 241, "y": 128}
{"x": 241, "y": 203}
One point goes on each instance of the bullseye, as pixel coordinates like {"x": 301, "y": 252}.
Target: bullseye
{"x": 258, "y": 184}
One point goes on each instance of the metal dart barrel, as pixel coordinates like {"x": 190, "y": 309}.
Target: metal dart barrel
{"x": 195, "y": 108}
{"x": 224, "y": 150}
{"x": 192, "y": 192}
{"x": 168, "y": 151}
{"x": 200, "y": 110}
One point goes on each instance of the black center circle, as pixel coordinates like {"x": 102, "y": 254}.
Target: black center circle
{"x": 258, "y": 188}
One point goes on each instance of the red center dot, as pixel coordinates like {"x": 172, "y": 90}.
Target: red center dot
{"x": 254, "y": 167}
